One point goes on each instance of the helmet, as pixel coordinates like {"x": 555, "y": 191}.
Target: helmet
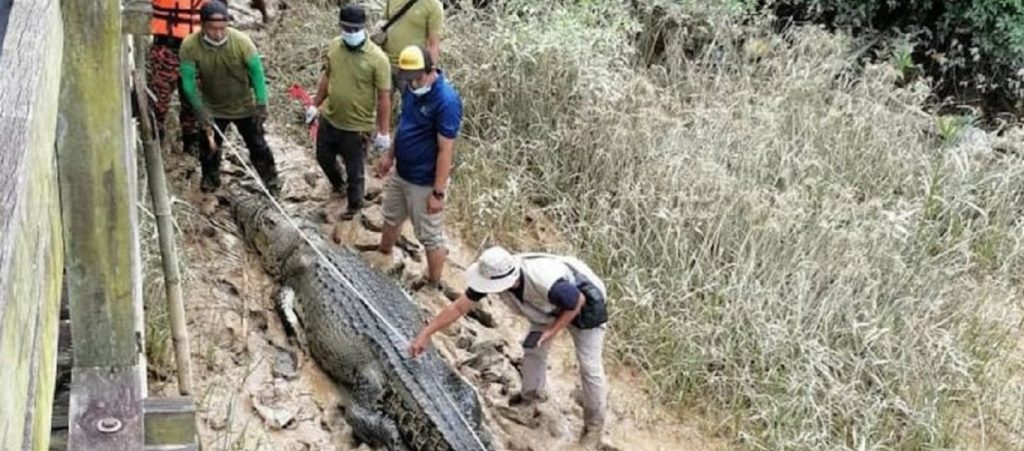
{"x": 414, "y": 59}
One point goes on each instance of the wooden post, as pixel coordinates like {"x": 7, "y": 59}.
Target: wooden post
{"x": 98, "y": 196}
{"x": 31, "y": 248}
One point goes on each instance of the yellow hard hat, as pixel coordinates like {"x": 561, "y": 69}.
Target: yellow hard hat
{"x": 414, "y": 58}
{"x": 413, "y": 62}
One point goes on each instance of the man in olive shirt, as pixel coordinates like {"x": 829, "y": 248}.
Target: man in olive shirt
{"x": 421, "y": 25}
{"x": 226, "y": 61}
{"x": 356, "y": 84}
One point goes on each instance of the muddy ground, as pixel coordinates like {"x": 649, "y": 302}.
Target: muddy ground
{"x": 257, "y": 390}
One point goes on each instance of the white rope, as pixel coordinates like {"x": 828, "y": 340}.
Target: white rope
{"x": 337, "y": 273}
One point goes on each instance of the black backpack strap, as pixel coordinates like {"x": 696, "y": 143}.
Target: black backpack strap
{"x": 398, "y": 15}
{"x": 595, "y": 312}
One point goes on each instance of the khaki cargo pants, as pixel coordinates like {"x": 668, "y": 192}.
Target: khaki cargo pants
{"x": 406, "y": 200}
{"x": 588, "y": 344}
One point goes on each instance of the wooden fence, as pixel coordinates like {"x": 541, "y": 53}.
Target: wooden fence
{"x": 31, "y": 247}
{"x": 68, "y": 215}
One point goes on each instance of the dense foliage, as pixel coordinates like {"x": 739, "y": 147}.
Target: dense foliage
{"x": 974, "y": 49}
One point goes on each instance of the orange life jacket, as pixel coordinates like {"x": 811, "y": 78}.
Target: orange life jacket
{"x": 175, "y": 18}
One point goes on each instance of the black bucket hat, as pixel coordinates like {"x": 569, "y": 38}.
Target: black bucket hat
{"x": 352, "y": 16}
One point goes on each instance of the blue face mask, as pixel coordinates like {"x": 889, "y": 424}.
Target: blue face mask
{"x": 354, "y": 39}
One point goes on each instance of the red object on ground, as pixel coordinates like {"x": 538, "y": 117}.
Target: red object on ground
{"x": 302, "y": 96}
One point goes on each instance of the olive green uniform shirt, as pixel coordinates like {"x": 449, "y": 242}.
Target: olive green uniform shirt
{"x": 353, "y": 78}
{"x": 223, "y": 73}
{"x": 423, "y": 18}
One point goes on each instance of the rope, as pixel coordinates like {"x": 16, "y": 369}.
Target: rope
{"x": 338, "y": 275}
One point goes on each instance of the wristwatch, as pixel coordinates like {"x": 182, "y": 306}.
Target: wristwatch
{"x": 438, "y": 194}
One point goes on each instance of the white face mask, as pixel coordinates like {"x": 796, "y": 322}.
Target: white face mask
{"x": 354, "y": 39}
{"x": 420, "y": 91}
{"x": 219, "y": 43}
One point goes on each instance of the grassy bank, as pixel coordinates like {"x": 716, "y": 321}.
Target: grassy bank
{"x": 789, "y": 243}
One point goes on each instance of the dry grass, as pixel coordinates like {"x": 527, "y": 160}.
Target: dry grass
{"x": 788, "y": 243}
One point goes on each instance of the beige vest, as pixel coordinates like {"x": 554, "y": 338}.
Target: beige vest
{"x": 540, "y": 272}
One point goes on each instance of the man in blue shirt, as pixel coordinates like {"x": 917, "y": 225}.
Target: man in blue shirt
{"x": 422, "y": 158}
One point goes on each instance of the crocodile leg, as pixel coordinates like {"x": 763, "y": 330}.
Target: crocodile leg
{"x": 368, "y": 424}
{"x": 291, "y": 315}
{"x": 373, "y": 428}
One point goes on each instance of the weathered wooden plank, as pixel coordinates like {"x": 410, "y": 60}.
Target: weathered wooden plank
{"x": 172, "y": 448}
{"x": 170, "y": 421}
{"x": 106, "y": 409}
{"x": 62, "y": 390}
{"x": 30, "y": 241}
{"x": 103, "y": 266}
{"x": 97, "y": 188}
{"x": 5, "y": 14}
{"x": 136, "y": 15}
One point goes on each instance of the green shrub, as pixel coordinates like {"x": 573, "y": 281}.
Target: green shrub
{"x": 968, "y": 46}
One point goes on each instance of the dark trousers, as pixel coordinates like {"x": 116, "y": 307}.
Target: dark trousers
{"x": 331, "y": 142}
{"x": 163, "y": 81}
{"x": 259, "y": 153}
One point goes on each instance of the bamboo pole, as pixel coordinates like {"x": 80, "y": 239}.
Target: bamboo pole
{"x": 165, "y": 231}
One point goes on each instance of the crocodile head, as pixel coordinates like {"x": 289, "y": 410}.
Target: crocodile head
{"x": 267, "y": 230}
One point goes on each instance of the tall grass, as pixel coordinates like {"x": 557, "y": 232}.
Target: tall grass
{"x": 786, "y": 240}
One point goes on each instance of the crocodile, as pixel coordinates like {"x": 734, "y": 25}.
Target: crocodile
{"x": 357, "y": 323}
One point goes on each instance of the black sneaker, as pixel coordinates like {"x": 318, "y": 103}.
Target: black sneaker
{"x": 349, "y": 214}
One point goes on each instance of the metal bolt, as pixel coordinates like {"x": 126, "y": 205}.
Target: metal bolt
{"x": 108, "y": 425}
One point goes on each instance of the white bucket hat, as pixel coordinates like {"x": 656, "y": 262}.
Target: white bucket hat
{"x": 496, "y": 270}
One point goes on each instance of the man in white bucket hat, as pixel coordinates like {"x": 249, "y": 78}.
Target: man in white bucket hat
{"x": 553, "y": 293}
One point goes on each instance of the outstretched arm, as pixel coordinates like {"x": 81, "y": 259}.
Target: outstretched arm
{"x": 448, "y": 315}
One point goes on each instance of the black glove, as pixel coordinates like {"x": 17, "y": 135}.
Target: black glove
{"x": 259, "y": 114}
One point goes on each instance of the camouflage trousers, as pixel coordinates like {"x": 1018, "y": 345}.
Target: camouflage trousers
{"x": 164, "y": 79}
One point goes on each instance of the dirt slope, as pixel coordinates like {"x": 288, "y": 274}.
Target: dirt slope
{"x": 257, "y": 391}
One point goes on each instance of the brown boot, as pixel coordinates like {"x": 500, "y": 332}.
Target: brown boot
{"x": 526, "y": 399}
{"x": 591, "y": 437}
